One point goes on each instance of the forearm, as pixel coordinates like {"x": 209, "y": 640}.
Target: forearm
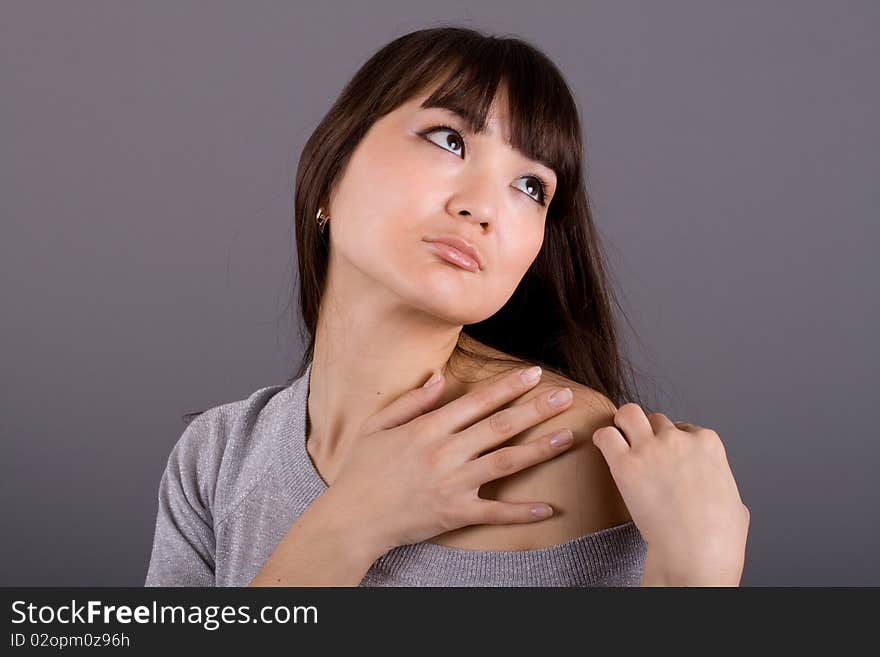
{"x": 324, "y": 547}
{"x": 659, "y": 571}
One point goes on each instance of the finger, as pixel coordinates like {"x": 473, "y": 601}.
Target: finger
{"x": 408, "y": 406}
{"x": 475, "y": 405}
{"x": 633, "y": 424}
{"x": 659, "y": 421}
{"x": 492, "y": 512}
{"x": 686, "y": 426}
{"x": 509, "y": 422}
{"x": 611, "y": 443}
{"x": 507, "y": 460}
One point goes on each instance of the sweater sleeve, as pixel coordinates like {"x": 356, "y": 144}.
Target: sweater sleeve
{"x": 183, "y": 542}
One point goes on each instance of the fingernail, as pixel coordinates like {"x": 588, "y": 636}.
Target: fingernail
{"x": 562, "y": 439}
{"x": 561, "y": 397}
{"x": 434, "y": 379}
{"x": 531, "y": 375}
{"x": 542, "y": 511}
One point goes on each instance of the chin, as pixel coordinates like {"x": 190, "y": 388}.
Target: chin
{"x": 450, "y": 307}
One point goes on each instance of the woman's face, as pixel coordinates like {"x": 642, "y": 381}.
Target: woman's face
{"x": 404, "y": 185}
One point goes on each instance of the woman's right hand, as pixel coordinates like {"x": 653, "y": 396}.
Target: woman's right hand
{"x": 413, "y": 474}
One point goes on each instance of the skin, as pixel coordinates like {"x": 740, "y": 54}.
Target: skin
{"x": 398, "y": 188}
{"x": 393, "y": 312}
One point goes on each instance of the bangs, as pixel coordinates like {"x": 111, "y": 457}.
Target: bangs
{"x": 544, "y": 124}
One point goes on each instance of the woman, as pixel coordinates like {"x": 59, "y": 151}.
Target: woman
{"x": 448, "y": 187}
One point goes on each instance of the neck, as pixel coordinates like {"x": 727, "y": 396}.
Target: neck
{"x": 363, "y": 361}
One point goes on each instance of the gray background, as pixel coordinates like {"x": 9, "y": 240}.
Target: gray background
{"x": 148, "y": 152}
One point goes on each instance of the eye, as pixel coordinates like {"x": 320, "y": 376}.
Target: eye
{"x": 456, "y": 139}
{"x": 540, "y": 186}
{"x": 449, "y": 140}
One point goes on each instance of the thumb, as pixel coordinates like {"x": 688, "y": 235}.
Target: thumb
{"x": 409, "y": 405}
{"x": 611, "y": 443}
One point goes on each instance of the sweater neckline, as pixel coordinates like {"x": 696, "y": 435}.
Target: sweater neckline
{"x": 585, "y": 559}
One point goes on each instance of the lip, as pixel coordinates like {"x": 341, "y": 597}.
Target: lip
{"x": 458, "y": 251}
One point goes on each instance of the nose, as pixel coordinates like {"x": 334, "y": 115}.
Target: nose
{"x": 477, "y": 202}
{"x": 484, "y": 223}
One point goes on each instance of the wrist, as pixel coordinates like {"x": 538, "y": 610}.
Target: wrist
{"x": 340, "y": 520}
{"x": 321, "y": 548}
{"x": 660, "y": 570}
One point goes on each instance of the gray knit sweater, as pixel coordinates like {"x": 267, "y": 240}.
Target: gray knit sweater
{"x": 240, "y": 475}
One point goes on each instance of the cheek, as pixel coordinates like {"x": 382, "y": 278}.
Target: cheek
{"x": 374, "y": 206}
{"x": 526, "y": 248}
{"x": 380, "y": 173}
{"x": 390, "y": 204}
{"x": 517, "y": 255}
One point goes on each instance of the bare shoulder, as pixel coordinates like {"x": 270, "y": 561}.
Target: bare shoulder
{"x": 577, "y": 484}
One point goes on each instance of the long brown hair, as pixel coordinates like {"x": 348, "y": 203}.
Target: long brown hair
{"x": 560, "y": 315}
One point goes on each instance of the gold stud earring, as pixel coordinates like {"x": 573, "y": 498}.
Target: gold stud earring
{"x": 322, "y": 219}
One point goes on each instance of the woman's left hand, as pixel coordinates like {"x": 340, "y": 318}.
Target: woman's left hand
{"x": 677, "y": 485}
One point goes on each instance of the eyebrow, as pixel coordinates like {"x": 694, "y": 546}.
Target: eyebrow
{"x": 454, "y": 109}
